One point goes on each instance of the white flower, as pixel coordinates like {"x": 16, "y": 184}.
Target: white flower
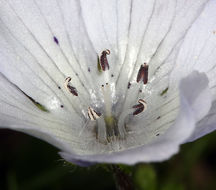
{"x": 150, "y": 91}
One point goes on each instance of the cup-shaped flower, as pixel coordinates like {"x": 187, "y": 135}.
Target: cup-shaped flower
{"x": 109, "y": 81}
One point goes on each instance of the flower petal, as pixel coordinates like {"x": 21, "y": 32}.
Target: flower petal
{"x": 152, "y": 38}
{"x": 192, "y": 95}
{"x": 198, "y": 52}
{"x": 19, "y": 112}
{"x": 206, "y": 125}
{"x": 160, "y": 30}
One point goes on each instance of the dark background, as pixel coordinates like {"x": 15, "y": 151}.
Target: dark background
{"x": 27, "y": 163}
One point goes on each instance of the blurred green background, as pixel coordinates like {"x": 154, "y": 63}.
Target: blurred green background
{"x": 27, "y": 163}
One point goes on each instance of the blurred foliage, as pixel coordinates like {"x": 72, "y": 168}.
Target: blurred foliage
{"x": 144, "y": 177}
{"x": 27, "y": 163}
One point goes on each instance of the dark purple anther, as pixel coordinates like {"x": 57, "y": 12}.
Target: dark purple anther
{"x": 72, "y": 90}
{"x": 143, "y": 74}
{"x": 103, "y": 60}
{"x": 139, "y": 108}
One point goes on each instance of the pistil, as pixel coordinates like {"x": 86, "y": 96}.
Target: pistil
{"x": 107, "y": 99}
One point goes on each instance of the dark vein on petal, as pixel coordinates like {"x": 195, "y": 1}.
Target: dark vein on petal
{"x": 70, "y": 44}
{"x": 33, "y": 114}
{"x": 180, "y": 39}
{"x": 38, "y": 63}
{"x": 75, "y": 108}
{"x": 61, "y": 50}
{"x": 53, "y": 129}
{"x": 105, "y": 32}
{"x": 139, "y": 50}
{"x": 19, "y": 100}
{"x": 128, "y": 35}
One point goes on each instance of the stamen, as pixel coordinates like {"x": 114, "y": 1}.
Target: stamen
{"x": 101, "y": 130}
{"x": 108, "y": 127}
{"x": 124, "y": 115}
{"x": 121, "y": 122}
{"x": 143, "y": 102}
{"x": 143, "y": 74}
{"x": 93, "y": 115}
{"x": 100, "y": 125}
{"x": 70, "y": 88}
{"x": 140, "y": 107}
{"x": 103, "y": 60}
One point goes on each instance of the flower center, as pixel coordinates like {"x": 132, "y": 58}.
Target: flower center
{"x": 109, "y": 125}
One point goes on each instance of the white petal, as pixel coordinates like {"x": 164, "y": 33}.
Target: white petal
{"x": 206, "y": 125}
{"x": 198, "y": 52}
{"x": 61, "y": 128}
{"x": 192, "y": 95}
{"x": 163, "y": 27}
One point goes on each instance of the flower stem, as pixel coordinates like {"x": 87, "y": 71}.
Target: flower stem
{"x": 123, "y": 181}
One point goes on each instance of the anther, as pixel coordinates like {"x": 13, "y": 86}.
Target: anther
{"x": 143, "y": 102}
{"x": 140, "y": 107}
{"x": 93, "y": 115}
{"x": 103, "y": 60}
{"x": 143, "y": 74}
{"x": 70, "y": 88}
